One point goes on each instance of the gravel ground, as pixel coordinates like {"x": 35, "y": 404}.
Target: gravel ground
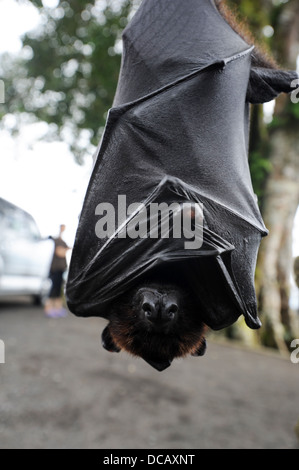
{"x": 60, "y": 390}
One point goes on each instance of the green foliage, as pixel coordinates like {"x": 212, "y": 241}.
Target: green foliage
{"x": 287, "y": 118}
{"x": 68, "y": 70}
{"x": 256, "y": 14}
{"x": 259, "y": 16}
{"x": 293, "y": 109}
{"x": 260, "y": 167}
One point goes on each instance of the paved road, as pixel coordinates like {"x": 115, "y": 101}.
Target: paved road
{"x": 60, "y": 389}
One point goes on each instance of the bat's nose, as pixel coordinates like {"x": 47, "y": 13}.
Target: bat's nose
{"x": 169, "y": 309}
{"x": 150, "y": 306}
{"x": 159, "y": 309}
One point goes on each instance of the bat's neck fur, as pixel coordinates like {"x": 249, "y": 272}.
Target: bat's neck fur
{"x": 260, "y": 57}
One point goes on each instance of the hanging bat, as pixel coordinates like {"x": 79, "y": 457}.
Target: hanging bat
{"x": 175, "y": 138}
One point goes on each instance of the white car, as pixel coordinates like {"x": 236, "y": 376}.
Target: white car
{"x": 25, "y": 257}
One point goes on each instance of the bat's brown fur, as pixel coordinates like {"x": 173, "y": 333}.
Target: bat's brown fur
{"x": 260, "y": 55}
{"x": 136, "y": 336}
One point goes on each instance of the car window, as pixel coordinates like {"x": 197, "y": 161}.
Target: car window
{"x": 18, "y": 224}
{"x": 31, "y": 227}
{"x": 13, "y": 223}
{"x": 1, "y": 217}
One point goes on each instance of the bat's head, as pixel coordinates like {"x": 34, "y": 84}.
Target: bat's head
{"x": 156, "y": 321}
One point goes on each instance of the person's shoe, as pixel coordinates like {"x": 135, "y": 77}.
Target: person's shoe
{"x": 61, "y": 313}
{"x": 51, "y": 313}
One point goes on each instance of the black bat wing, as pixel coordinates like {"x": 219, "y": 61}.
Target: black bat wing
{"x": 177, "y": 132}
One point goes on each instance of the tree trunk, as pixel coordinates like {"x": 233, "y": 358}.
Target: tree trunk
{"x": 281, "y": 200}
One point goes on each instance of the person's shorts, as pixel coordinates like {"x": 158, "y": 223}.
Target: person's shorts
{"x": 57, "y": 281}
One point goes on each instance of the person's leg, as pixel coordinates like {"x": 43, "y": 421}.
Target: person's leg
{"x": 49, "y": 305}
{"x": 59, "y": 308}
{"x": 54, "y": 306}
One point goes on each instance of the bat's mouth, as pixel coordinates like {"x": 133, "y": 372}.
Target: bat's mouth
{"x": 159, "y": 366}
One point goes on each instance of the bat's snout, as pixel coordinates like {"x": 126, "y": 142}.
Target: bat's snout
{"x": 160, "y": 310}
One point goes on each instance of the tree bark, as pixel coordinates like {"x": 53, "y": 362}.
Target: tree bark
{"x": 281, "y": 199}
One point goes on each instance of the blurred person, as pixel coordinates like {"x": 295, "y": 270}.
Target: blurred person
{"x": 54, "y": 304}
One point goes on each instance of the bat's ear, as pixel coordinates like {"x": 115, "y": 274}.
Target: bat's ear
{"x": 201, "y": 350}
{"x": 107, "y": 341}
